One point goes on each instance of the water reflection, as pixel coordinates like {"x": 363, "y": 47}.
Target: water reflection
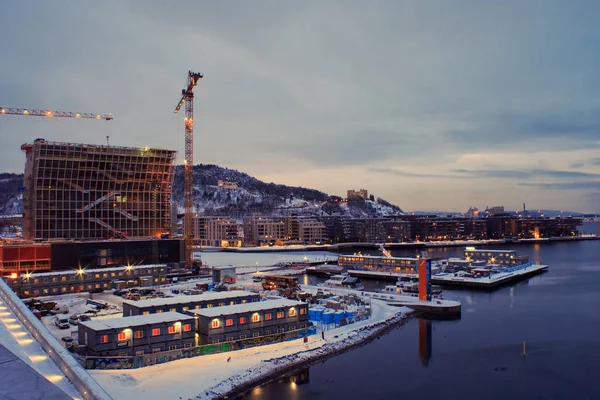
{"x": 425, "y": 341}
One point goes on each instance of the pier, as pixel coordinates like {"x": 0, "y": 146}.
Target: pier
{"x": 491, "y": 282}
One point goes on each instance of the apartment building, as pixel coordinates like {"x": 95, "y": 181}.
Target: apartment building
{"x": 216, "y": 231}
{"x": 259, "y": 230}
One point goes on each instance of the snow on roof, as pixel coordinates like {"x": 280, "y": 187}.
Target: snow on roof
{"x": 490, "y": 251}
{"x": 248, "y": 307}
{"x": 138, "y": 320}
{"x": 366, "y": 256}
{"x": 92, "y": 270}
{"x": 188, "y": 299}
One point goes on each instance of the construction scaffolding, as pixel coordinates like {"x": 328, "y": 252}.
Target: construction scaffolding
{"x": 81, "y": 191}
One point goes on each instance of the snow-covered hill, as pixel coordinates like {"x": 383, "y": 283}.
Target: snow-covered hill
{"x": 245, "y": 194}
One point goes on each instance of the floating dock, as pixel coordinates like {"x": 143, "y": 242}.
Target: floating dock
{"x": 491, "y": 282}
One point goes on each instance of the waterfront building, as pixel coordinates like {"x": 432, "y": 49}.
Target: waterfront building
{"x": 136, "y": 336}
{"x": 86, "y": 280}
{"x": 311, "y": 231}
{"x": 260, "y": 230}
{"x": 405, "y": 265}
{"x": 185, "y": 303}
{"x": 83, "y": 191}
{"x": 495, "y": 257}
{"x": 475, "y": 228}
{"x": 397, "y": 230}
{"x": 497, "y": 210}
{"x": 251, "y": 320}
{"x": 216, "y": 231}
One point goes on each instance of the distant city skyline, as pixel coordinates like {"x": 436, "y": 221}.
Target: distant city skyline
{"x": 429, "y": 105}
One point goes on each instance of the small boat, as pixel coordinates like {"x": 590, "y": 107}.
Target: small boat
{"x": 344, "y": 281}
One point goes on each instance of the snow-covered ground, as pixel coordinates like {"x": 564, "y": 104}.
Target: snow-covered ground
{"x": 207, "y": 377}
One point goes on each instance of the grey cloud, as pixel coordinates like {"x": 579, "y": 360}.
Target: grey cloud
{"x": 585, "y": 185}
{"x": 396, "y": 172}
{"x": 583, "y": 163}
{"x": 526, "y": 174}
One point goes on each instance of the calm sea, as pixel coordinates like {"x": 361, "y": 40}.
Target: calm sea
{"x": 480, "y": 356}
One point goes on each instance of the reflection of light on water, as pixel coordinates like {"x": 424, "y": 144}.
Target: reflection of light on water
{"x": 511, "y": 295}
{"x": 305, "y": 279}
{"x": 293, "y": 385}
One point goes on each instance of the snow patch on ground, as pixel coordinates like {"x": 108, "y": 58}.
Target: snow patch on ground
{"x": 212, "y": 376}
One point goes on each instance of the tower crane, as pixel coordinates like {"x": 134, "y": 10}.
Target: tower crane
{"x": 50, "y": 113}
{"x": 187, "y": 96}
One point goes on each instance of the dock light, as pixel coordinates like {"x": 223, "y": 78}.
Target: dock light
{"x": 80, "y": 271}
{"x": 13, "y": 275}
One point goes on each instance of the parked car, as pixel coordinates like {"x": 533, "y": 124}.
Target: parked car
{"x": 84, "y": 317}
{"x": 97, "y": 290}
{"x": 59, "y": 310}
{"x": 120, "y": 292}
{"x": 74, "y": 319}
{"x": 62, "y": 323}
{"x": 67, "y": 339}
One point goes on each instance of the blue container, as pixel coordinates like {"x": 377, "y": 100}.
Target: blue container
{"x": 337, "y": 317}
{"x": 211, "y": 286}
{"x": 318, "y": 315}
{"x": 349, "y": 314}
{"x": 312, "y": 315}
{"x": 328, "y": 318}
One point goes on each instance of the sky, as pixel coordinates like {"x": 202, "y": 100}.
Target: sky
{"x": 432, "y": 105}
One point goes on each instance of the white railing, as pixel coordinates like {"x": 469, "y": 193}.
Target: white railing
{"x": 75, "y": 373}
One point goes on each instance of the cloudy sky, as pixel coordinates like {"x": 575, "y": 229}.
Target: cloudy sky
{"x": 433, "y": 105}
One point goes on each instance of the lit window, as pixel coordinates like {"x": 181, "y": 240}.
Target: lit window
{"x": 122, "y": 336}
{"x": 292, "y": 312}
{"x": 172, "y": 329}
{"x": 172, "y": 310}
{"x": 221, "y": 304}
{"x": 104, "y": 339}
{"x": 209, "y": 306}
{"x": 279, "y": 314}
{"x": 268, "y": 316}
{"x": 255, "y": 317}
{"x": 145, "y": 312}
{"x": 139, "y": 334}
{"x": 155, "y": 331}
{"x": 302, "y": 311}
{"x": 215, "y": 323}
{"x": 229, "y": 322}
{"x": 198, "y": 307}
{"x": 243, "y": 320}
{"x": 231, "y": 303}
{"x": 187, "y": 327}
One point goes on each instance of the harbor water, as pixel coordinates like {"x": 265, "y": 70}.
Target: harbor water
{"x": 536, "y": 339}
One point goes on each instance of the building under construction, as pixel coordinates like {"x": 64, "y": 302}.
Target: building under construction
{"x": 83, "y": 191}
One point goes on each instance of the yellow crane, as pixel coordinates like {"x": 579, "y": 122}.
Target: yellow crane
{"x": 187, "y": 97}
{"x": 50, "y": 113}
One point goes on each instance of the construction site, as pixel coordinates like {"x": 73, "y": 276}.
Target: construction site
{"x": 101, "y": 205}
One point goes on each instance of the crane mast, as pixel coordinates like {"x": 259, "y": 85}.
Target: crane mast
{"x": 187, "y": 97}
{"x": 49, "y": 113}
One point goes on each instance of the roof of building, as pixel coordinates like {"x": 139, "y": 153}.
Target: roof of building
{"x": 188, "y": 299}
{"x": 379, "y": 257}
{"x": 244, "y": 308}
{"x": 138, "y": 320}
{"x": 93, "y": 270}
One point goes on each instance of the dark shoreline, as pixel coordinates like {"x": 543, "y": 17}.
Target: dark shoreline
{"x": 376, "y": 330}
